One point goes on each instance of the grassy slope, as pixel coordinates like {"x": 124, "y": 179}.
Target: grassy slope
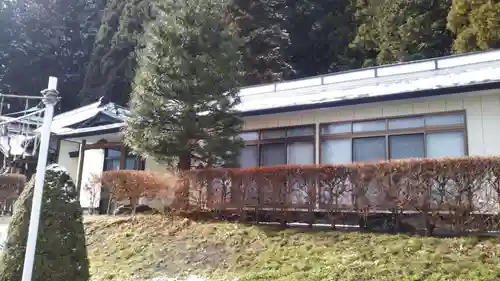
{"x": 152, "y": 245}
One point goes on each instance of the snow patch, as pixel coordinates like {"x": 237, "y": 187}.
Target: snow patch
{"x": 57, "y": 168}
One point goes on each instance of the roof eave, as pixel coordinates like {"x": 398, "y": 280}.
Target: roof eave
{"x": 91, "y": 133}
{"x": 382, "y": 98}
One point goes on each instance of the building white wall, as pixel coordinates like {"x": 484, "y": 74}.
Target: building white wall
{"x": 482, "y": 116}
{"x": 71, "y": 164}
{"x": 93, "y": 165}
{"x": 482, "y": 125}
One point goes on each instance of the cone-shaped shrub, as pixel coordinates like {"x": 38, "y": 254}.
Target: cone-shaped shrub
{"x": 61, "y": 253}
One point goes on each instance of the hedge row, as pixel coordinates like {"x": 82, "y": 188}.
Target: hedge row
{"x": 460, "y": 189}
{"x": 461, "y": 193}
{"x": 11, "y": 186}
{"x": 132, "y": 185}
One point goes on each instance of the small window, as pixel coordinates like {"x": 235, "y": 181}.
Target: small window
{"x": 407, "y": 146}
{"x": 249, "y": 136}
{"x": 447, "y": 144}
{"x": 112, "y": 160}
{"x": 300, "y": 132}
{"x": 406, "y": 123}
{"x": 273, "y": 134}
{"x": 336, "y": 128}
{"x": 113, "y": 153}
{"x": 336, "y": 151}
{"x": 131, "y": 163}
{"x": 249, "y": 157}
{"x": 301, "y": 153}
{"x": 442, "y": 120}
{"x": 369, "y": 149}
{"x": 273, "y": 154}
{"x": 369, "y": 126}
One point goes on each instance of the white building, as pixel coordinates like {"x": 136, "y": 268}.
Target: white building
{"x": 448, "y": 106}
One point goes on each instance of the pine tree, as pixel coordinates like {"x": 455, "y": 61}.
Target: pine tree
{"x": 476, "y": 25}
{"x": 260, "y": 25}
{"x": 61, "y": 252}
{"x": 111, "y": 68}
{"x": 320, "y": 33}
{"x": 186, "y": 86}
{"x": 47, "y": 38}
{"x": 402, "y": 30}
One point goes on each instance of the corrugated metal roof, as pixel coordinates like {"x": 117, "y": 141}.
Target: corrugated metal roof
{"x": 445, "y": 72}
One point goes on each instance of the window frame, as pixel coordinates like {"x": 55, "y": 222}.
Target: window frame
{"x": 462, "y": 128}
{"x": 124, "y": 152}
{"x": 261, "y": 142}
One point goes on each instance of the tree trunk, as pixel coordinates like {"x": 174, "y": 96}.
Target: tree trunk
{"x": 182, "y": 194}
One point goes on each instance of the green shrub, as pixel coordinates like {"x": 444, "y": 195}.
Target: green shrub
{"x": 61, "y": 252}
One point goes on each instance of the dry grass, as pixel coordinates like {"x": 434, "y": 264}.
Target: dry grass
{"x": 148, "y": 246}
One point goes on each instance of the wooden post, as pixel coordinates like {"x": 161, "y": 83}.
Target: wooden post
{"x": 123, "y": 157}
{"x": 81, "y": 158}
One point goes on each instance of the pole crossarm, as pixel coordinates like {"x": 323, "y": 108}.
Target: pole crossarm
{"x": 22, "y": 117}
{"x": 21, "y": 97}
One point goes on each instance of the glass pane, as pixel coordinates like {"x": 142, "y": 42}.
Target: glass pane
{"x": 336, "y": 152}
{"x": 299, "y": 132}
{"x": 368, "y": 126}
{"x": 131, "y": 163}
{"x": 448, "y": 144}
{"x": 273, "y": 134}
{"x": 336, "y": 128}
{"x": 406, "y": 123}
{"x": 444, "y": 120}
{"x": 112, "y": 164}
{"x": 300, "y": 153}
{"x": 273, "y": 154}
{"x": 112, "y": 153}
{"x": 369, "y": 149}
{"x": 407, "y": 146}
{"x": 249, "y": 157}
{"x": 249, "y": 136}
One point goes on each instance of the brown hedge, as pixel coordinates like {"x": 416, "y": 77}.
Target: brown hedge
{"x": 459, "y": 189}
{"x": 11, "y": 185}
{"x": 132, "y": 185}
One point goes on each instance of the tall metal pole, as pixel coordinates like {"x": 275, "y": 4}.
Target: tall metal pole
{"x": 50, "y": 98}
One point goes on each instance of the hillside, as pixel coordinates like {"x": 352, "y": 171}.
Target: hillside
{"x": 150, "y": 246}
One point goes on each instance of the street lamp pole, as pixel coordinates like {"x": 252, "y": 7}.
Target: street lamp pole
{"x": 50, "y": 98}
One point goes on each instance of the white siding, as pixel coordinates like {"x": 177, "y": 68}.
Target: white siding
{"x": 482, "y": 114}
{"x": 71, "y": 164}
{"x": 93, "y": 164}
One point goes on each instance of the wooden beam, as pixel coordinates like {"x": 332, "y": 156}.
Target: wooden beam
{"x": 123, "y": 157}
{"x": 81, "y": 158}
{"x": 103, "y": 145}
{"x": 58, "y": 149}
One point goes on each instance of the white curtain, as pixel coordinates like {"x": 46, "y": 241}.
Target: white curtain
{"x": 336, "y": 151}
{"x": 447, "y": 144}
{"x": 301, "y": 153}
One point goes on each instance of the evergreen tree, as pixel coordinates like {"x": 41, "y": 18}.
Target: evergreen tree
{"x": 402, "y": 30}
{"x": 260, "y": 25}
{"x": 61, "y": 252}
{"x": 47, "y": 38}
{"x": 186, "y": 86}
{"x": 476, "y": 25}
{"x": 111, "y": 68}
{"x": 320, "y": 32}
